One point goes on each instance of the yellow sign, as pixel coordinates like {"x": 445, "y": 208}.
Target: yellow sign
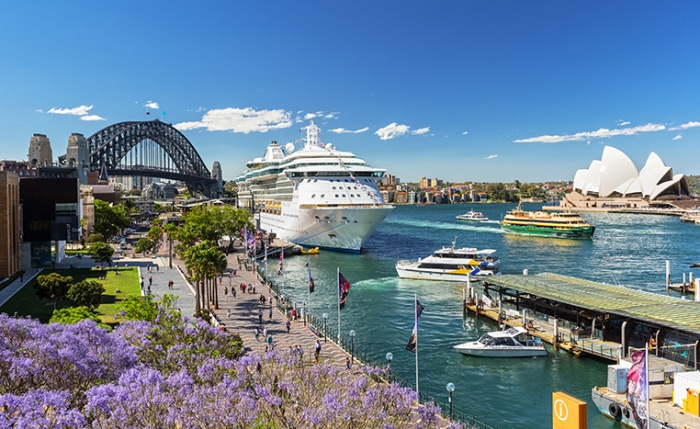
{"x": 568, "y": 412}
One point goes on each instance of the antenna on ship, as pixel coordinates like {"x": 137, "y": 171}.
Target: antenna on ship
{"x": 454, "y": 242}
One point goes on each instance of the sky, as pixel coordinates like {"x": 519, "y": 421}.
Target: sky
{"x": 485, "y": 91}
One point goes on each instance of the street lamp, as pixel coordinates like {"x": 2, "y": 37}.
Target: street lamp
{"x": 304, "y": 302}
{"x": 352, "y": 347}
{"x": 325, "y": 337}
{"x": 389, "y": 357}
{"x": 451, "y": 388}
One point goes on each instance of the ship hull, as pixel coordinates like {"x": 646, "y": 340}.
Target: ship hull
{"x": 532, "y": 230}
{"x": 336, "y": 228}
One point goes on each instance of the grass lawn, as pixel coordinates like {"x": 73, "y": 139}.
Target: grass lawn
{"x": 26, "y": 303}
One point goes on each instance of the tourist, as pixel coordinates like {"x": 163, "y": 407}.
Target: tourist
{"x": 270, "y": 312}
{"x": 150, "y": 281}
{"x": 225, "y": 290}
{"x": 289, "y": 325}
{"x": 228, "y": 313}
{"x": 318, "y": 350}
{"x": 260, "y": 314}
{"x": 347, "y": 362}
{"x": 270, "y": 344}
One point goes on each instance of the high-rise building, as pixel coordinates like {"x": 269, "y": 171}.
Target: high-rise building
{"x": 40, "y": 151}
{"x": 9, "y": 224}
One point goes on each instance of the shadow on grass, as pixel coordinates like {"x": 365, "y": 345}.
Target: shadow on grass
{"x": 25, "y": 303}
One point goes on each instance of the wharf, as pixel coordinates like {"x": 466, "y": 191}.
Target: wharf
{"x": 592, "y": 318}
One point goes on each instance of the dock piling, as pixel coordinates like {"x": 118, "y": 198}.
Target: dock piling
{"x": 668, "y": 274}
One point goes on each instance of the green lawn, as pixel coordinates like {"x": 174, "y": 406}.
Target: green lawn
{"x": 26, "y": 303}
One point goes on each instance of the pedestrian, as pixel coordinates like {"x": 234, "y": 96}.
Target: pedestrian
{"x": 21, "y": 276}
{"x": 270, "y": 313}
{"x": 234, "y": 272}
{"x": 347, "y": 362}
{"x": 318, "y": 350}
{"x": 149, "y": 289}
{"x": 228, "y": 313}
{"x": 301, "y": 354}
{"x": 233, "y": 291}
{"x": 260, "y": 314}
{"x": 157, "y": 268}
{"x": 294, "y": 314}
{"x": 289, "y": 325}
{"x": 269, "y": 342}
{"x": 141, "y": 284}
{"x": 225, "y": 290}
{"x": 257, "y": 333}
{"x": 150, "y": 281}
{"x": 264, "y": 331}
{"x": 220, "y": 280}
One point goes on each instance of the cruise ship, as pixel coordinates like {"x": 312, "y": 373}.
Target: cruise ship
{"x": 316, "y": 196}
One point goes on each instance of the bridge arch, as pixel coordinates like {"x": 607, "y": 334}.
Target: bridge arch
{"x": 140, "y": 149}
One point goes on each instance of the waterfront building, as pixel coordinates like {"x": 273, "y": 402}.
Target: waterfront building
{"x": 9, "y": 224}
{"x": 400, "y": 198}
{"x": 614, "y": 182}
{"x": 388, "y": 195}
{"x": 411, "y": 197}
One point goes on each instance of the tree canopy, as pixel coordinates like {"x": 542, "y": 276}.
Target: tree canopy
{"x": 87, "y": 293}
{"x": 53, "y": 287}
{"x": 109, "y": 220}
{"x": 101, "y": 252}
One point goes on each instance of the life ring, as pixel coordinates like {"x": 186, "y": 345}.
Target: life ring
{"x": 615, "y": 412}
{"x": 626, "y": 413}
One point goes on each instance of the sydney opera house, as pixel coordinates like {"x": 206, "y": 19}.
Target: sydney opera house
{"x": 613, "y": 182}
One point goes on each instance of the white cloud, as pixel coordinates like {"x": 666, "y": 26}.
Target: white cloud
{"x": 599, "y": 134}
{"x": 77, "y": 111}
{"x": 151, "y": 105}
{"x": 491, "y": 157}
{"x": 421, "y": 131}
{"x": 238, "y": 120}
{"x": 39, "y": 111}
{"x": 678, "y": 137}
{"x": 344, "y": 131}
{"x": 392, "y": 130}
{"x": 685, "y": 126}
{"x": 622, "y": 123}
{"x": 465, "y": 133}
{"x": 340, "y": 131}
{"x": 91, "y": 118}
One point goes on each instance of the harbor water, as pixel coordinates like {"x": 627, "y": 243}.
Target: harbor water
{"x": 627, "y": 249}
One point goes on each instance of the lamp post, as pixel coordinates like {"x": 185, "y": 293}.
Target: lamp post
{"x": 325, "y": 337}
{"x": 352, "y": 347}
{"x": 389, "y": 357}
{"x": 304, "y": 302}
{"x": 451, "y": 388}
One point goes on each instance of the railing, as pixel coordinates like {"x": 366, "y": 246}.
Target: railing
{"x": 326, "y": 332}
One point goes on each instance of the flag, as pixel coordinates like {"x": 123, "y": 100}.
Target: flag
{"x": 343, "y": 289}
{"x": 164, "y": 114}
{"x": 281, "y": 270}
{"x": 413, "y": 341}
{"x": 637, "y": 388}
{"x": 311, "y": 280}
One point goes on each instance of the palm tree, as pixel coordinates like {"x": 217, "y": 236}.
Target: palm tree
{"x": 205, "y": 261}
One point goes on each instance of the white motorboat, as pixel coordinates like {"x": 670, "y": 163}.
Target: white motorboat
{"x": 451, "y": 264}
{"x": 316, "y": 196}
{"x": 473, "y": 216}
{"x": 512, "y": 342}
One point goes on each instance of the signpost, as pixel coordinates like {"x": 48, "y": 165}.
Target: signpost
{"x": 568, "y": 412}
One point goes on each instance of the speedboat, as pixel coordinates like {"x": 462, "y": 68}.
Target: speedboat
{"x": 451, "y": 264}
{"x": 473, "y": 216}
{"x": 512, "y": 342}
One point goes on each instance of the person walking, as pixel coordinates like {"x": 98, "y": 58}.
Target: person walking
{"x": 270, "y": 343}
{"x": 257, "y": 333}
{"x": 225, "y": 290}
{"x": 318, "y": 350}
{"x": 228, "y": 313}
{"x": 270, "y": 312}
{"x": 260, "y": 314}
{"x": 289, "y": 325}
{"x": 150, "y": 281}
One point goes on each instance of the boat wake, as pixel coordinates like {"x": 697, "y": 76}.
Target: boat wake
{"x": 480, "y": 226}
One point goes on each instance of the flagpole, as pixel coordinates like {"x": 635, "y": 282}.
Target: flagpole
{"x": 415, "y": 315}
{"x": 308, "y": 290}
{"x": 339, "y": 295}
{"x": 646, "y": 378}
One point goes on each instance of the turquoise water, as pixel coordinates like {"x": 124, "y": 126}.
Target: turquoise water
{"x": 508, "y": 393}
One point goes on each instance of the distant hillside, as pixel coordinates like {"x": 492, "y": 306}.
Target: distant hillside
{"x": 694, "y": 184}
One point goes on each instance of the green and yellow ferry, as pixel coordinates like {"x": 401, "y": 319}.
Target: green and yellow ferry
{"x": 543, "y": 224}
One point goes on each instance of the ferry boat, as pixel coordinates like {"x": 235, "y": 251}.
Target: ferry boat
{"x": 512, "y": 342}
{"x": 560, "y": 225}
{"x": 473, "y": 216}
{"x": 314, "y": 197}
{"x": 451, "y": 264}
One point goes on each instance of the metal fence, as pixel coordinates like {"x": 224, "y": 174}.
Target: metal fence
{"x": 327, "y": 332}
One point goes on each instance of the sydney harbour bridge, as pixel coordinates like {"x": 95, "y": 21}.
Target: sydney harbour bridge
{"x": 150, "y": 149}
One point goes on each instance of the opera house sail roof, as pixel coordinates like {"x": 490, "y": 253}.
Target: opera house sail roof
{"x": 615, "y": 175}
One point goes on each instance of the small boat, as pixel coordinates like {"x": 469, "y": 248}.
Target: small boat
{"x": 543, "y": 224}
{"x": 512, "y": 342}
{"x": 451, "y": 264}
{"x": 313, "y": 251}
{"x": 473, "y": 216}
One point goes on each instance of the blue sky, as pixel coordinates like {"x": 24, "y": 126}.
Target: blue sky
{"x": 458, "y": 90}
